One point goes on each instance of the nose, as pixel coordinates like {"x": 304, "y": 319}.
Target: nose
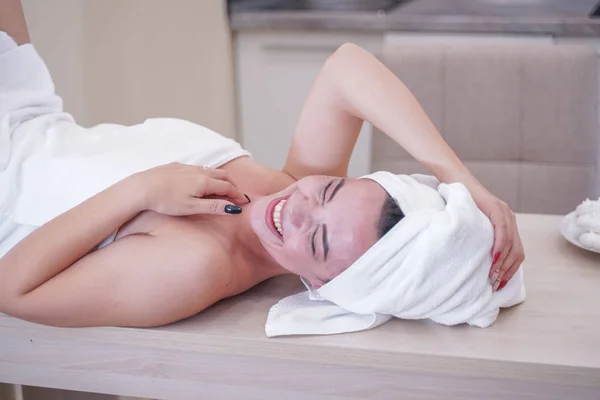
{"x": 302, "y": 211}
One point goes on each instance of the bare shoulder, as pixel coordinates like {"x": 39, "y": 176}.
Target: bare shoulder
{"x": 254, "y": 178}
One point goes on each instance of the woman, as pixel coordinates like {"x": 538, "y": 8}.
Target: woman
{"x": 187, "y": 236}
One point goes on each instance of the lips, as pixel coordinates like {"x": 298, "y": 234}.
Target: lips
{"x": 269, "y": 216}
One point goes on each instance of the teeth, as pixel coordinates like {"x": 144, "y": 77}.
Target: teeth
{"x": 277, "y": 216}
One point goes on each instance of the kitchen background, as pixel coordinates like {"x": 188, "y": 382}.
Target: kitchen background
{"x": 244, "y": 67}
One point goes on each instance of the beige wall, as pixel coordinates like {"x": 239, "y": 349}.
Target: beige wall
{"x": 56, "y": 29}
{"x": 124, "y": 61}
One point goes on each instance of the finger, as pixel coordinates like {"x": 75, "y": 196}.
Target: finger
{"x": 224, "y": 188}
{"x": 508, "y": 242}
{"x": 216, "y": 173}
{"x": 513, "y": 269}
{"x": 508, "y": 262}
{"x": 499, "y": 271}
{"x": 216, "y": 207}
{"x": 499, "y": 241}
{"x": 224, "y": 175}
{"x": 510, "y": 273}
{"x": 514, "y": 254}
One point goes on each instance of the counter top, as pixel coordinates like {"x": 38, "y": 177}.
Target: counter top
{"x": 549, "y": 346}
{"x": 541, "y": 17}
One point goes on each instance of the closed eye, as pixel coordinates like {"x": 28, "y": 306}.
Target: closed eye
{"x": 325, "y": 191}
{"x": 325, "y": 239}
{"x": 312, "y": 242}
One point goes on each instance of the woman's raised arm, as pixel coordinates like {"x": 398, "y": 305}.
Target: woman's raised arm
{"x": 12, "y": 21}
{"x": 352, "y": 87}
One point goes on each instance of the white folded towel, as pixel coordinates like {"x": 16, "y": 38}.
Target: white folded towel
{"x": 434, "y": 264}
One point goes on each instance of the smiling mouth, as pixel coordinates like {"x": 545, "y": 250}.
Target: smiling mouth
{"x": 273, "y": 216}
{"x": 277, "y": 216}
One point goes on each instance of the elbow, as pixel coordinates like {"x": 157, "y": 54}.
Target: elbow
{"x": 346, "y": 55}
{"x": 7, "y": 304}
{"x": 9, "y": 301}
{"x": 346, "y": 63}
{"x": 349, "y": 49}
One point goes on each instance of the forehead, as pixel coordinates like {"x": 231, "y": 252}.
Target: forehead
{"x": 355, "y": 214}
{"x": 363, "y": 193}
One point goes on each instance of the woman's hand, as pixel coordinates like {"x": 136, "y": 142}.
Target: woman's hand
{"x": 178, "y": 189}
{"x": 507, "y": 251}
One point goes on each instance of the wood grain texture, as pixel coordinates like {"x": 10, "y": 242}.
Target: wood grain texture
{"x": 547, "y": 348}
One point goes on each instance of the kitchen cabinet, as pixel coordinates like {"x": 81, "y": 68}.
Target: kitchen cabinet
{"x": 274, "y": 74}
{"x": 275, "y": 70}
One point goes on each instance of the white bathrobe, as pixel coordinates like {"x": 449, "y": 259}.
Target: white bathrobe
{"x": 49, "y": 164}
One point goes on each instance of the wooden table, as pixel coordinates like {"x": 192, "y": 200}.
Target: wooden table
{"x": 549, "y": 347}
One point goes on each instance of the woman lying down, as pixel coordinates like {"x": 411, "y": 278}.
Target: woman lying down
{"x": 149, "y": 224}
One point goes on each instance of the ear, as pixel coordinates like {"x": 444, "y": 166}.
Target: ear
{"x": 318, "y": 283}
{"x": 315, "y": 282}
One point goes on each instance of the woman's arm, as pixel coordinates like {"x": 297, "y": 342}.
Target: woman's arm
{"x": 12, "y": 21}
{"x": 58, "y": 244}
{"x": 139, "y": 281}
{"x": 51, "y": 263}
{"x": 352, "y": 87}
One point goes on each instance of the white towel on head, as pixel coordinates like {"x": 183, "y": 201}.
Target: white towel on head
{"x": 434, "y": 264}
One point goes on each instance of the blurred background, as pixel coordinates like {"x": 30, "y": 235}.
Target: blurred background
{"x": 511, "y": 84}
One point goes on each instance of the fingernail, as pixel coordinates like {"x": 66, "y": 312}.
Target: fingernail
{"x": 496, "y": 285}
{"x": 494, "y": 277}
{"x": 229, "y": 209}
{"x": 502, "y": 284}
{"x": 496, "y": 256}
{"x": 248, "y": 198}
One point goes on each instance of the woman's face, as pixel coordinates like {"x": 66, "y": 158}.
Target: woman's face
{"x": 320, "y": 225}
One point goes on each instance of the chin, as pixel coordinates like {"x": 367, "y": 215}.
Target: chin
{"x": 257, "y": 216}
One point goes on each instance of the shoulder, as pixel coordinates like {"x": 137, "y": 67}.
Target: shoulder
{"x": 254, "y": 178}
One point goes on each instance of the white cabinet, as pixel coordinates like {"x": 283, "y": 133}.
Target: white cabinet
{"x": 275, "y": 72}
{"x": 416, "y": 38}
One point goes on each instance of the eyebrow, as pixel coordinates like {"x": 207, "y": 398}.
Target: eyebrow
{"x": 336, "y": 189}
{"x": 325, "y": 242}
{"x": 325, "y": 191}
{"x": 324, "y": 226}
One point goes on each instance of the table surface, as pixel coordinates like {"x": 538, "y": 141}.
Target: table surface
{"x": 553, "y": 337}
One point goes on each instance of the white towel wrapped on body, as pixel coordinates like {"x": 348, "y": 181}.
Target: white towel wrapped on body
{"x": 49, "y": 164}
{"x": 434, "y": 264}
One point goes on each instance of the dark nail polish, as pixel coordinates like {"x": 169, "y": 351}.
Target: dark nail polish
{"x": 248, "y": 198}
{"x": 502, "y": 284}
{"x": 229, "y": 209}
{"x": 496, "y": 256}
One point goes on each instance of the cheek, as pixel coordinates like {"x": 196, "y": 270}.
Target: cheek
{"x": 292, "y": 256}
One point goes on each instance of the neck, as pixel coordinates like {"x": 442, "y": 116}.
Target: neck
{"x": 249, "y": 247}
